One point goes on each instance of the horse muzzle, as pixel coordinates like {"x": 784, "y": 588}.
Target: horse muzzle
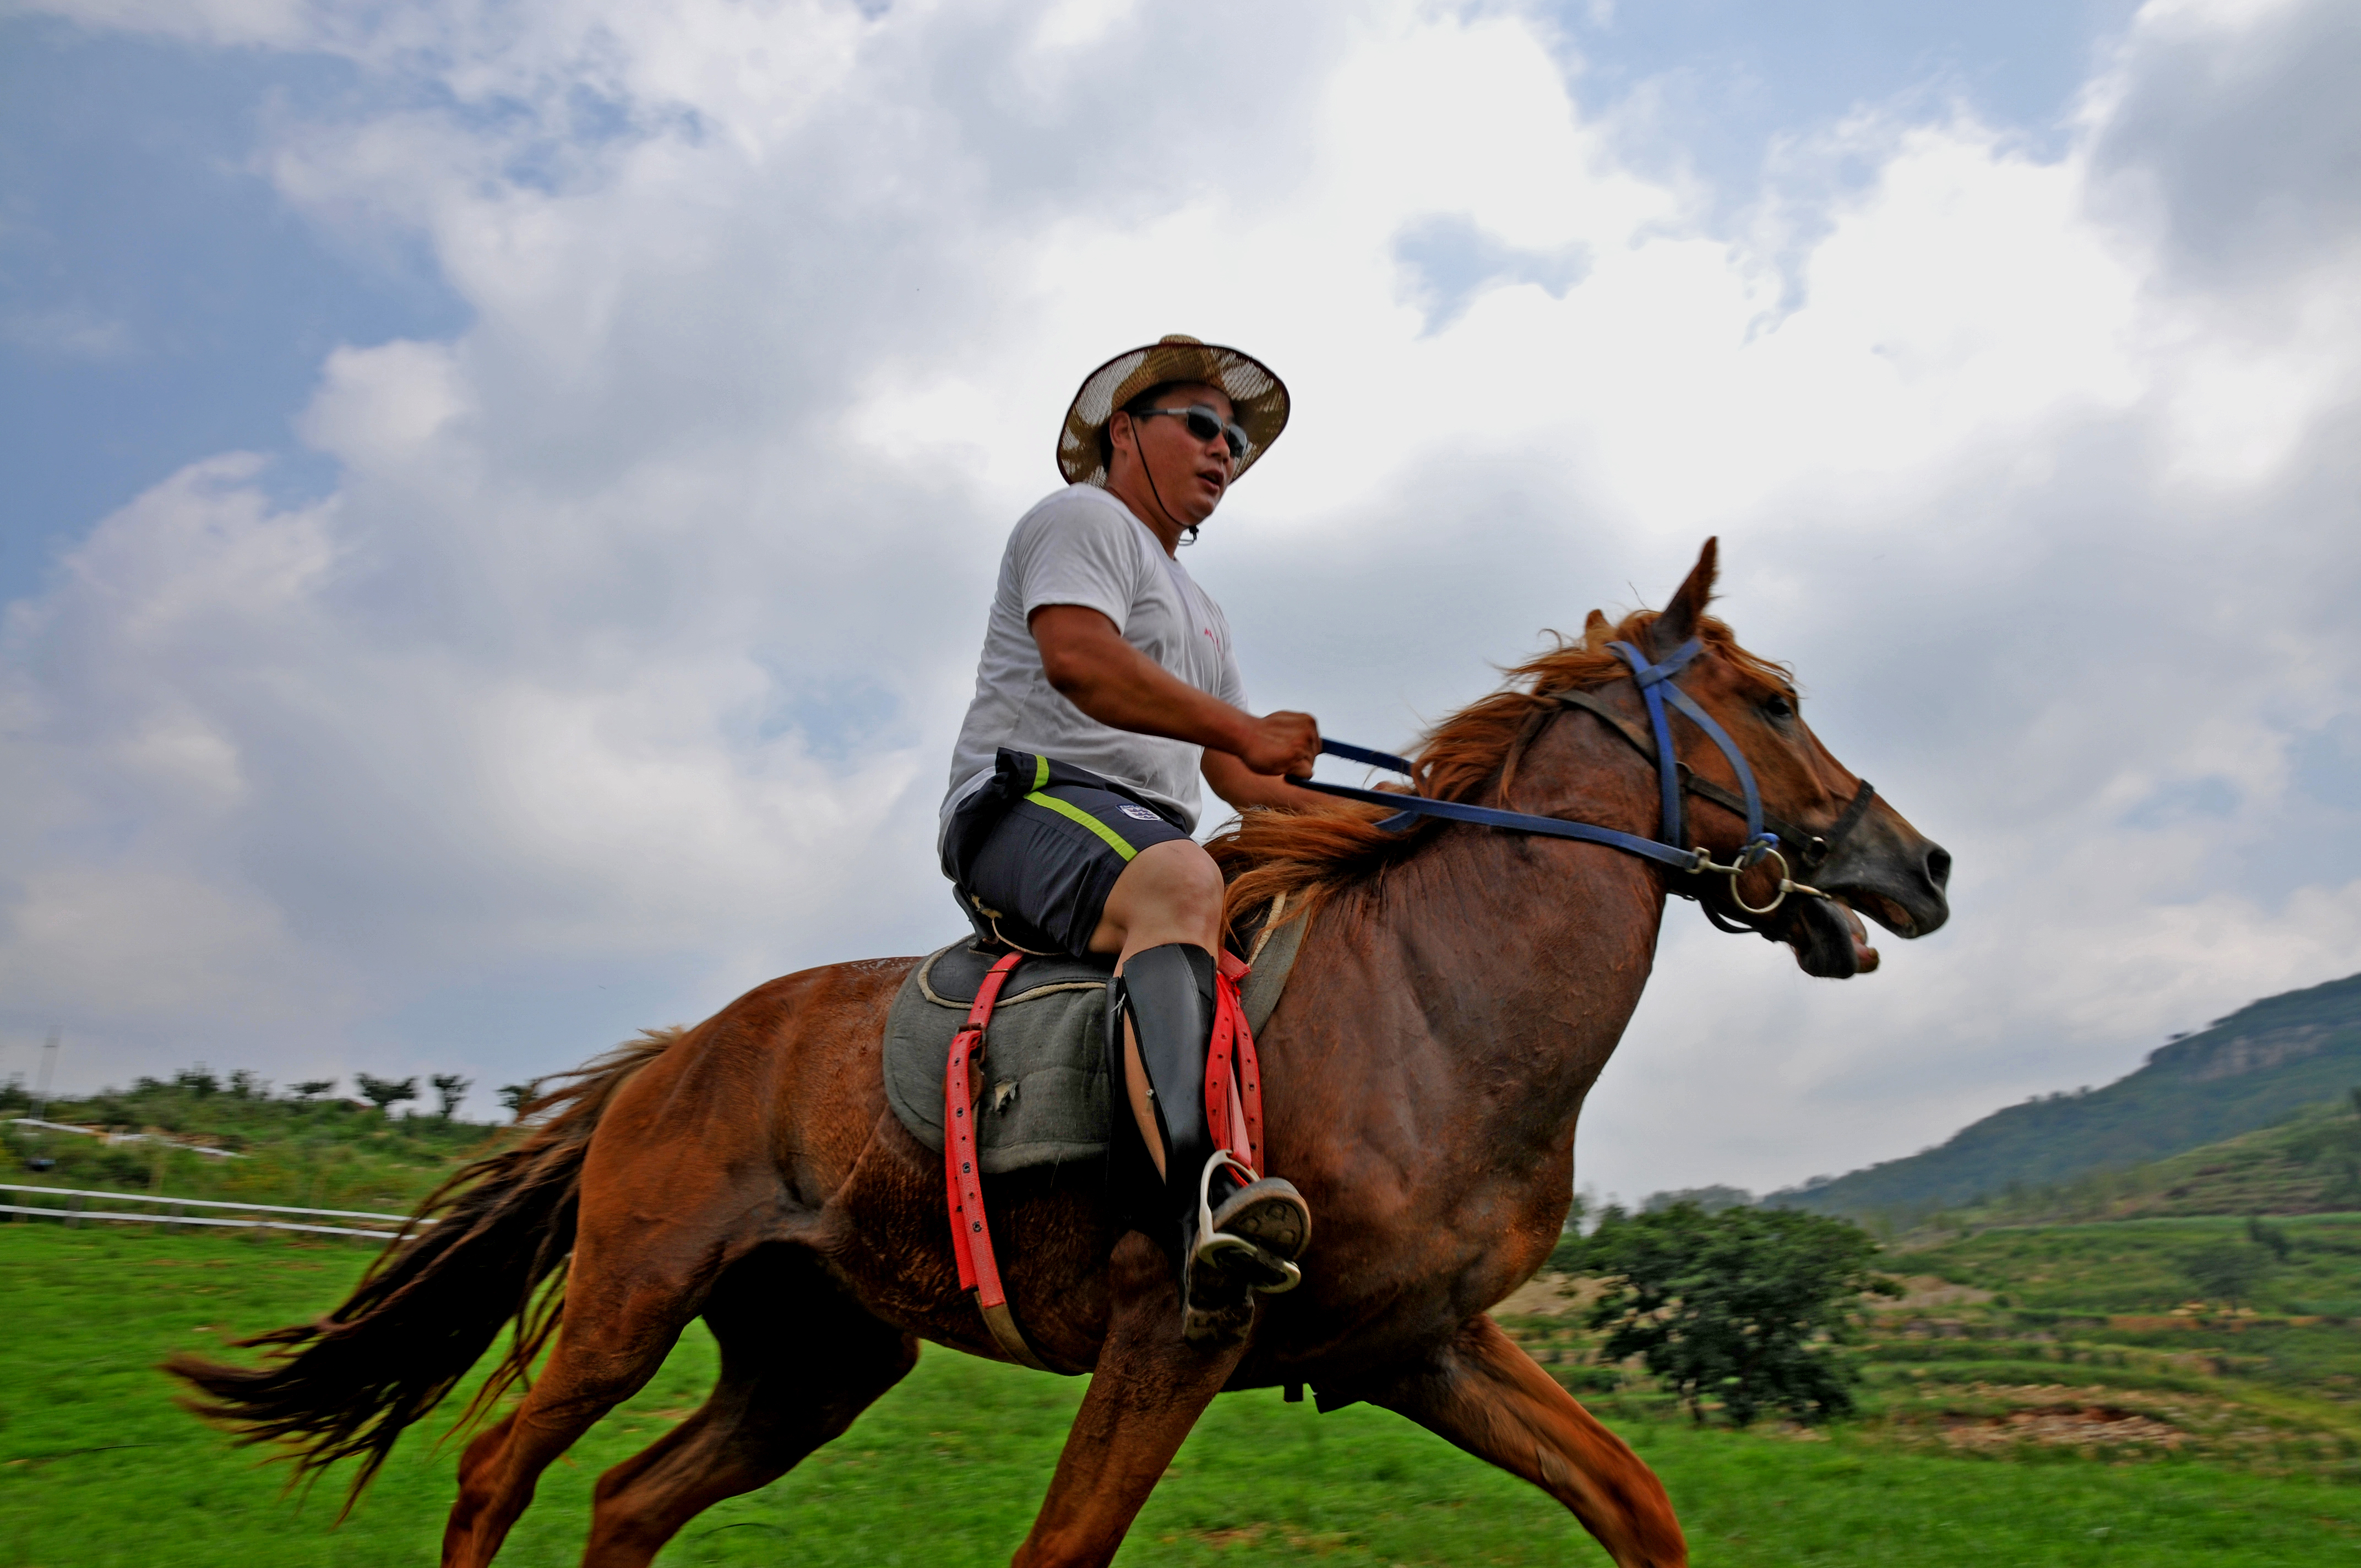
{"x": 1893, "y": 874}
{"x": 1888, "y": 872}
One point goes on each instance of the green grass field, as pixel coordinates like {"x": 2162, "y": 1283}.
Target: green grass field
{"x": 97, "y": 1468}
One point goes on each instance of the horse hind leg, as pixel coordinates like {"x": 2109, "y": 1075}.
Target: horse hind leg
{"x": 1482, "y": 1393}
{"x": 589, "y": 1374}
{"x": 630, "y": 1290}
{"x": 800, "y": 1362}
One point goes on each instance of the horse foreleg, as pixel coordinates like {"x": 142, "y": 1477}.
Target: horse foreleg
{"x": 1148, "y": 1389}
{"x": 798, "y": 1365}
{"x": 1484, "y": 1394}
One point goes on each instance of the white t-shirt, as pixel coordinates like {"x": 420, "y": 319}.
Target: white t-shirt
{"x": 1083, "y": 546}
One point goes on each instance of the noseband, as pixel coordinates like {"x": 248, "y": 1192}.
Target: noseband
{"x": 1767, "y": 836}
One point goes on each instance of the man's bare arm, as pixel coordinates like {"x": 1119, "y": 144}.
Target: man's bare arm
{"x": 1242, "y": 787}
{"x": 1094, "y": 668}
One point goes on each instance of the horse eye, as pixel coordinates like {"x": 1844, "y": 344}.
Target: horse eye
{"x": 1778, "y": 707}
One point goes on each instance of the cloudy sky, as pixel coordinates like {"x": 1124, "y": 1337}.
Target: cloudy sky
{"x": 502, "y": 499}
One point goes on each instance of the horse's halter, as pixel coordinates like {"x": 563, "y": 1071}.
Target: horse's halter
{"x": 1767, "y": 836}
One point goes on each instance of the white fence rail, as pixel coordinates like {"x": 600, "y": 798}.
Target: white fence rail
{"x": 77, "y": 1212}
{"x": 104, "y": 1136}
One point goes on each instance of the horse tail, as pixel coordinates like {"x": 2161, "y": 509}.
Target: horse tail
{"x": 345, "y": 1386}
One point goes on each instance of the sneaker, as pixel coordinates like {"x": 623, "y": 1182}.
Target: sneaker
{"x": 1255, "y": 1238}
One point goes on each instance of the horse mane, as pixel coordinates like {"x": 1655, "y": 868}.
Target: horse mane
{"x": 1307, "y": 856}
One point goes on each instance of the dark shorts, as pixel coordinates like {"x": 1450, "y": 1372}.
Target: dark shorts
{"x": 1035, "y": 855}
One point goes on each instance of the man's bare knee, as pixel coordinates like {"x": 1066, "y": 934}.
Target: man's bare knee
{"x": 1180, "y": 877}
{"x": 1172, "y": 891}
{"x": 1178, "y": 869}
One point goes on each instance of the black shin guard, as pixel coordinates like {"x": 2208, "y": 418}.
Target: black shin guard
{"x": 1167, "y": 993}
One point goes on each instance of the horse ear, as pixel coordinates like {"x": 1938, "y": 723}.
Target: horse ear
{"x": 1679, "y": 623}
{"x": 1595, "y": 633}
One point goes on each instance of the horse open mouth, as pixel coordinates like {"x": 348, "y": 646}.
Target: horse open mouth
{"x": 1900, "y": 889}
{"x": 1829, "y": 940}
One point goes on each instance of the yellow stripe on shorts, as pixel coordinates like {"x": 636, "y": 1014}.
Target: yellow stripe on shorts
{"x": 1064, "y": 808}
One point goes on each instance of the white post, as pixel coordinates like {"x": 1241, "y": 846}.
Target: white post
{"x": 48, "y": 1070}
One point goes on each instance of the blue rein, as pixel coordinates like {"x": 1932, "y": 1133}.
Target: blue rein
{"x": 1656, "y": 688}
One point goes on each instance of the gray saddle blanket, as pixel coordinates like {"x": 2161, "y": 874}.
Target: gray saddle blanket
{"x": 1043, "y": 1095}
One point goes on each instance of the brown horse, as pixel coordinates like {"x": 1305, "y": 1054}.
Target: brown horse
{"x": 1455, "y": 997}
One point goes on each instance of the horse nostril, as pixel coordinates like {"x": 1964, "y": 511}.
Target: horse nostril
{"x": 1938, "y": 866}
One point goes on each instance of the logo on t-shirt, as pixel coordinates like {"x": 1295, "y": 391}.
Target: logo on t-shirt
{"x": 1141, "y": 811}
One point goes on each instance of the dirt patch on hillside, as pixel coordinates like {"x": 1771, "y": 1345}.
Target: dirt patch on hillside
{"x": 1549, "y": 1296}
{"x": 1923, "y": 1290}
{"x": 1976, "y": 1417}
{"x": 2061, "y": 1425}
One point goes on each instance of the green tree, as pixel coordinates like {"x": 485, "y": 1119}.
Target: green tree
{"x": 1712, "y": 1199}
{"x": 2226, "y": 1271}
{"x": 516, "y": 1096}
{"x": 2269, "y": 1237}
{"x": 450, "y": 1088}
{"x": 1747, "y": 1306}
{"x": 311, "y": 1088}
{"x": 385, "y": 1093}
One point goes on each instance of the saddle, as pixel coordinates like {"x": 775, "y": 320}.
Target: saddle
{"x": 986, "y": 1122}
{"x": 1045, "y": 1099}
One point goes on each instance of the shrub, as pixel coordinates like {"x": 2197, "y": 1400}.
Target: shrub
{"x": 1747, "y": 1306}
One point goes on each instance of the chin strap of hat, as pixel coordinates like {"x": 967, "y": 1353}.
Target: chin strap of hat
{"x": 1189, "y": 530}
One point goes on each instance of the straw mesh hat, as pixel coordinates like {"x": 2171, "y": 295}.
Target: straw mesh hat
{"x": 1257, "y": 399}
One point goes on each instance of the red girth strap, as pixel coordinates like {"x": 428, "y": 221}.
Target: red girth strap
{"x": 970, "y": 1233}
{"x": 1238, "y": 1130}
{"x": 1233, "y": 1045}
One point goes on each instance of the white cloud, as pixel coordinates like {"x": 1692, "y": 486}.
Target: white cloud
{"x": 68, "y": 332}
{"x": 628, "y": 650}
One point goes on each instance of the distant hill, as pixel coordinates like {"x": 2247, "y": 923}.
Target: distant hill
{"x": 2254, "y": 1069}
{"x": 2309, "y": 1164}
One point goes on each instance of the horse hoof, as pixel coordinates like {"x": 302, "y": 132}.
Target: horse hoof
{"x": 1221, "y": 1324}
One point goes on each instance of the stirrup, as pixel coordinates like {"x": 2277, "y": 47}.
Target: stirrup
{"x": 1213, "y": 1247}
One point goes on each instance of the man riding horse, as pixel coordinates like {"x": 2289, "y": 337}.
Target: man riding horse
{"x": 1106, "y": 685}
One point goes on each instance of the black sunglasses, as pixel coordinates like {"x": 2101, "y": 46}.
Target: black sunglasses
{"x": 1205, "y": 424}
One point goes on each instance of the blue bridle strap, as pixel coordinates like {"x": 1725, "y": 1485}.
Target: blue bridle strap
{"x": 1657, "y": 687}
{"x": 1652, "y": 680}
